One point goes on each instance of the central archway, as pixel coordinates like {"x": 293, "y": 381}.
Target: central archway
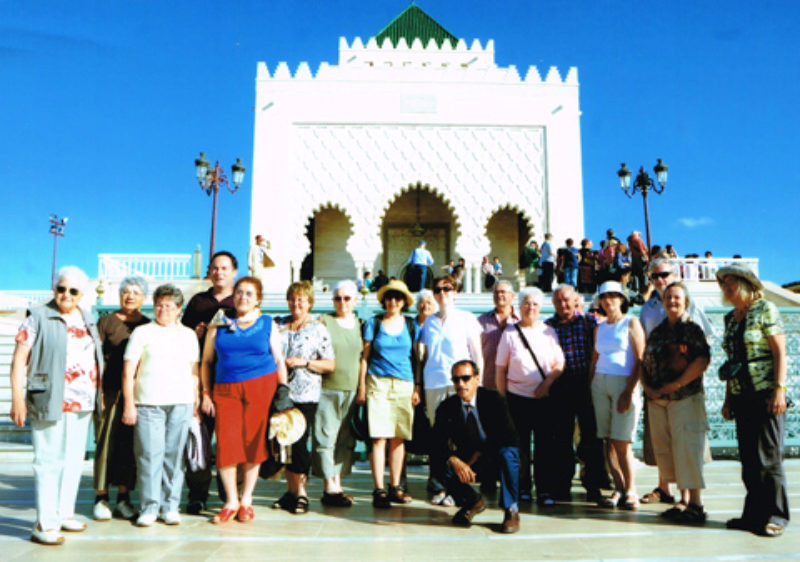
{"x": 418, "y": 213}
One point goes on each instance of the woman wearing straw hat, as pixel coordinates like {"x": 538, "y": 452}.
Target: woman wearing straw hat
{"x": 616, "y": 368}
{"x": 755, "y": 397}
{"x": 386, "y": 384}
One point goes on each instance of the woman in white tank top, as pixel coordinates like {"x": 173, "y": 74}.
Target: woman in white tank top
{"x": 616, "y": 368}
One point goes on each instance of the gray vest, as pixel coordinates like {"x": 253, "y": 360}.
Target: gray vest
{"x": 48, "y": 361}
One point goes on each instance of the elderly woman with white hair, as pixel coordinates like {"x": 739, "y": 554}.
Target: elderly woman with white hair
{"x": 114, "y": 463}
{"x": 332, "y": 441}
{"x": 54, "y": 382}
{"x": 529, "y": 360}
{"x": 159, "y": 386}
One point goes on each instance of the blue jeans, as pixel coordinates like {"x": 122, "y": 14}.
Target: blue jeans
{"x": 160, "y": 440}
{"x": 571, "y": 276}
{"x": 505, "y": 461}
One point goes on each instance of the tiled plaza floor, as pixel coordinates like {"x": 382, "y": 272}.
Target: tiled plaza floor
{"x": 418, "y": 531}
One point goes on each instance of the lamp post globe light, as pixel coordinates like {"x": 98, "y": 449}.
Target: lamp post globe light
{"x": 644, "y": 184}
{"x": 57, "y": 230}
{"x": 210, "y": 180}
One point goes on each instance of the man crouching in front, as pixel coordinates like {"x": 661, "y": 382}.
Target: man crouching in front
{"x": 476, "y": 441}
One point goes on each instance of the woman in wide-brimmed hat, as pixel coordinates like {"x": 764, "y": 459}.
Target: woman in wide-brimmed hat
{"x": 755, "y": 396}
{"x": 386, "y": 384}
{"x": 616, "y": 368}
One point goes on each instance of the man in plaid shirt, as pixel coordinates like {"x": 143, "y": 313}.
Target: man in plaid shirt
{"x": 572, "y": 398}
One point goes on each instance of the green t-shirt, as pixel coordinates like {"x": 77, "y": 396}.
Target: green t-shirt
{"x": 347, "y": 349}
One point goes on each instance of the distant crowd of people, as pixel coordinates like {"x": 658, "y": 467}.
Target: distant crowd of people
{"x": 470, "y": 392}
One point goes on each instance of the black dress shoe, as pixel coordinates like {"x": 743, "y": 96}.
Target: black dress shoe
{"x": 739, "y": 524}
{"x": 195, "y": 507}
{"x": 465, "y": 515}
{"x": 511, "y": 521}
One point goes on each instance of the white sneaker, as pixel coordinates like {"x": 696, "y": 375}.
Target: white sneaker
{"x": 72, "y": 525}
{"x": 101, "y": 511}
{"x": 146, "y": 519}
{"x": 50, "y": 537}
{"x": 124, "y": 510}
{"x": 171, "y": 518}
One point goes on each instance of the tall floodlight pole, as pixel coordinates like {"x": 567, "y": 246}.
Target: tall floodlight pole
{"x": 210, "y": 180}
{"x": 57, "y": 230}
{"x": 643, "y": 184}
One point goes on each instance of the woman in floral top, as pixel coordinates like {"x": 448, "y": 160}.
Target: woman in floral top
{"x": 308, "y": 350}
{"x": 54, "y": 382}
{"x": 755, "y": 397}
{"x": 675, "y": 359}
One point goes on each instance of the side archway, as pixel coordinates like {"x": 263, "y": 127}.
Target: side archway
{"x": 508, "y": 230}
{"x": 328, "y": 231}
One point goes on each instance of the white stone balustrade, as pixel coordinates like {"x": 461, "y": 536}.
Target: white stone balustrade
{"x": 705, "y": 269}
{"x": 153, "y": 267}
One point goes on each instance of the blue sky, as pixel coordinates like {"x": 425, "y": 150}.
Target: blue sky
{"x": 105, "y": 104}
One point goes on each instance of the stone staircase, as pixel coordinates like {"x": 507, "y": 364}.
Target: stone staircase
{"x": 14, "y": 441}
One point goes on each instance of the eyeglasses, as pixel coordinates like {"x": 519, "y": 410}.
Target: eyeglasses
{"x": 346, "y": 298}
{"x": 445, "y": 288}
{"x": 394, "y": 295}
{"x": 463, "y": 379}
{"x": 660, "y": 275}
{"x": 61, "y": 289}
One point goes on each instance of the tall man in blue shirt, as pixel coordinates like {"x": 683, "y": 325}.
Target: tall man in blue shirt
{"x": 419, "y": 261}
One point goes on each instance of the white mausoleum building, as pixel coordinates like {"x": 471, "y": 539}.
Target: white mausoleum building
{"x": 412, "y": 135}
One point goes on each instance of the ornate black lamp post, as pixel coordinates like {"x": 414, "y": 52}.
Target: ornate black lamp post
{"x": 57, "y": 230}
{"x": 210, "y": 180}
{"x": 643, "y": 184}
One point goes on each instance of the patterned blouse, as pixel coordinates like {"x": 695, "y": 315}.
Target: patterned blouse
{"x": 80, "y": 378}
{"x": 761, "y": 321}
{"x": 312, "y": 341}
{"x": 670, "y": 350}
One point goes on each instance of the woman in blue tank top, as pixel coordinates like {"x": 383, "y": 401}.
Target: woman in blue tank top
{"x": 245, "y": 357}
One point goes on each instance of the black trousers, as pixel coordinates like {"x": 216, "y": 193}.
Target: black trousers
{"x": 760, "y": 436}
{"x": 199, "y": 481}
{"x": 546, "y": 280}
{"x": 571, "y": 400}
{"x": 534, "y": 415}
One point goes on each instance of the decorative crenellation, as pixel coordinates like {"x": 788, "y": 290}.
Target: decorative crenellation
{"x": 417, "y": 62}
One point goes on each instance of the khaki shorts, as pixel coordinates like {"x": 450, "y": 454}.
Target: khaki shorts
{"x": 678, "y": 432}
{"x": 606, "y": 390}
{"x": 389, "y": 410}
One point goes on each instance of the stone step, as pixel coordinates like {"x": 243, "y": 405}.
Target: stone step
{"x": 12, "y": 452}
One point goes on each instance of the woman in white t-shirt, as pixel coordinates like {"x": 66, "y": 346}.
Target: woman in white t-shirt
{"x": 616, "y": 369}
{"x": 159, "y": 384}
{"x": 529, "y": 359}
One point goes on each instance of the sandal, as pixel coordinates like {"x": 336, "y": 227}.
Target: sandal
{"x": 657, "y": 496}
{"x": 673, "y": 512}
{"x": 301, "y": 505}
{"x": 339, "y": 499}
{"x": 245, "y": 514}
{"x": 223, "y": 516}
{"x": 773, "y": 530}
{"x": 611, "y": 501}
{"x": 397, "y": 495}
{"x": 286, "y": 502}
{"x": 693, "y": 514}
{"x": 380, "y": 498}
{"x": 631, "y": 502}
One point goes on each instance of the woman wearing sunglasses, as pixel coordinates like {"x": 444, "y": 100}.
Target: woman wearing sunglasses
{"x": 333, "y": 443}
{"x": 54, "y": 382}
{"x": 386, "y": 385}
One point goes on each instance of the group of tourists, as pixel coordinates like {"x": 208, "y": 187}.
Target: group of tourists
{"x": 479, "y": 387}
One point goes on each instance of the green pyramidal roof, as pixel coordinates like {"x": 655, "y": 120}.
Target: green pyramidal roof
{"x": 413, "y": 23}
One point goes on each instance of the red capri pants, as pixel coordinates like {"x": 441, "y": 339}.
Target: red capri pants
{"x": 242, "y": 412}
